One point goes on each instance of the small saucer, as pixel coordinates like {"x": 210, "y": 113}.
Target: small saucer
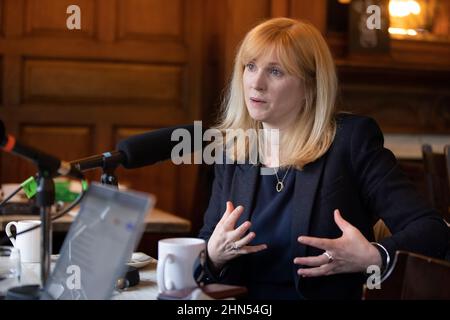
{"x": 140, "y": 260}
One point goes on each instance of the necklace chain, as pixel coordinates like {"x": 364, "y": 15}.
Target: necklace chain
{"x": 280, "y": 184}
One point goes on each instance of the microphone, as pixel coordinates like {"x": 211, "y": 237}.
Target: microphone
{"x": 112, "y": 158}
{"x": 136, "y": 151}
{"x": 44, "y": 161}
{"x": 151, "y": 147}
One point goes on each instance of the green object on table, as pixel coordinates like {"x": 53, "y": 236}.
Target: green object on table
{"x": 29, "y": 186}
{"x": 63, "y": 193}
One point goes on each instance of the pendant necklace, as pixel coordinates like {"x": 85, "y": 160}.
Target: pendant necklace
{"x": 280, "y": 184}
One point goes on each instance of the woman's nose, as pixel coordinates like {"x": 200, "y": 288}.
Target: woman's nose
{"x": 259, "y": 81}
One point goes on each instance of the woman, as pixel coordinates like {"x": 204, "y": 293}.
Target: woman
{"x": 306, "y": 231}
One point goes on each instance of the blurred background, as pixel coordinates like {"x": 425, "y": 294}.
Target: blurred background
{"x": 139, "y": 65}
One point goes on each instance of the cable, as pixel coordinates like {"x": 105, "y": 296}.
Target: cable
{"x": 57, "y": 215}
{"x": 29, "y": 186}
{"x": 4, "y": 201}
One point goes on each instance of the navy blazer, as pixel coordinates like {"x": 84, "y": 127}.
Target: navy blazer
{"x": 358, "y": 176}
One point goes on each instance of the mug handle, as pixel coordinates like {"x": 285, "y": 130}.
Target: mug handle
{"x": 8, "y": 232}
{"x": 161, "y": 270}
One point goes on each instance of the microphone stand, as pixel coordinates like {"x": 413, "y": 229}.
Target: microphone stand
{"x": 45, "y": 198}
{"x": 108, "y": 161}
{"x": 109, "y": 177}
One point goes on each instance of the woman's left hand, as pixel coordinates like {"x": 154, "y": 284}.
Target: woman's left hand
{"x": 349, "y": 253}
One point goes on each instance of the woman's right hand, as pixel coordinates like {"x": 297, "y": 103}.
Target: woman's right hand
{"x": 228, "y": 242}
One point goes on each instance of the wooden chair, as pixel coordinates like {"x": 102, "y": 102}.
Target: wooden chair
{"x": 412, "y": 277}
{"x": 381, "y": 231}
{"x": 437, "y": 176}
{"x": 447, "y": 160}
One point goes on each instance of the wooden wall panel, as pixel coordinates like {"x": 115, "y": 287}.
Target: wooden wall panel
{"x": 280, "y": 8}
{"x": 48, "y": 18}
{"x": 13, "y": 13}
{"x": 397, "y": 110}
{"x": 1, "y": 80}
{"x": 401, "y": 100}
{"x": 11, "y": 79}
{"x": 147, "y": 19}
{"x": 103, "y": 82}
{"x": 135, "y": 65}
{"x": 2, "y": 21}
{"x": 65, "y": 142}
{"x": 239, "y": 22}
{"x": 312, "y": 11}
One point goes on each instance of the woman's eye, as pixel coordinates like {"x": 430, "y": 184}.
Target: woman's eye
{"x": 251, "y": 66}
{"x": 276, "y": 72}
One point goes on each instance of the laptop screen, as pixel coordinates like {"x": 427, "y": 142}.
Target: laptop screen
{"x": 99, "y": 244}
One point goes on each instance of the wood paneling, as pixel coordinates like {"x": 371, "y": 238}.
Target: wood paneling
{"x": 2, "y": 20}
{"x": 11, "y": 79}
{"x": 151, "y": 19}
{"x": 106, "y": 21}
{"x": 64, "y": 142}
{"x": 70, "y": 81}
{"x": 397, "y": 110}
{"x": 135, "y": 65}
{"x": 312, "y": 11}
{"x": 1, "y": 80}
{"x": 280, "y": 8}
{"x": 13, "y": 17}
{"x": 239, "y": 22}
{"x": 420, "y": 52}
{"x": 402, "y": 100}
{"x": 48, "y": 18}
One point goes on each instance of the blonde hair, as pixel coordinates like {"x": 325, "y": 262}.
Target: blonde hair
{"x": 303, "y": 53}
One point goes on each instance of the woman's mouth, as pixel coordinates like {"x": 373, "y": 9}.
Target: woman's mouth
{"x": 257, "y": 101}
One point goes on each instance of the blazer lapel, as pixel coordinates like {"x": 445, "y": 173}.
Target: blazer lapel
{"x": 243, "y": 190}
{"x": 306, "y": 183}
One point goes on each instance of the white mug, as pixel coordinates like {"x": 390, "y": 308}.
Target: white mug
{"x": 29, "y": 243}
{"x": 177, "y": 259}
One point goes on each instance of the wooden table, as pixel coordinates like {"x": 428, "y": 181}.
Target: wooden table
{"x": 156, "y": 221}
{"x": 147, "y": 289}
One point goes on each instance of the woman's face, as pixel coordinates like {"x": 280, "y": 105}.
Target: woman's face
{"x": 271, "y": 95}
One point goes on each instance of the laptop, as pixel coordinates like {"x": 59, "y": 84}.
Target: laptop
{"x": 99, "y": 243}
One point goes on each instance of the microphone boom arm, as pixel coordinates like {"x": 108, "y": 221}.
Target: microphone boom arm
{"x": 108, "y": 161}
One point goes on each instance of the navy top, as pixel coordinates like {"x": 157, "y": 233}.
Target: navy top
{"x": 271, "y": 222}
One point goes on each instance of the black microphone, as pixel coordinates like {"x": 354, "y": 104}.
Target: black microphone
{"x": 104, "y": 160}
{"x": 151, "y": 147}
{"x": 136, "y": 151}
{"x": 44, "y": 161}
